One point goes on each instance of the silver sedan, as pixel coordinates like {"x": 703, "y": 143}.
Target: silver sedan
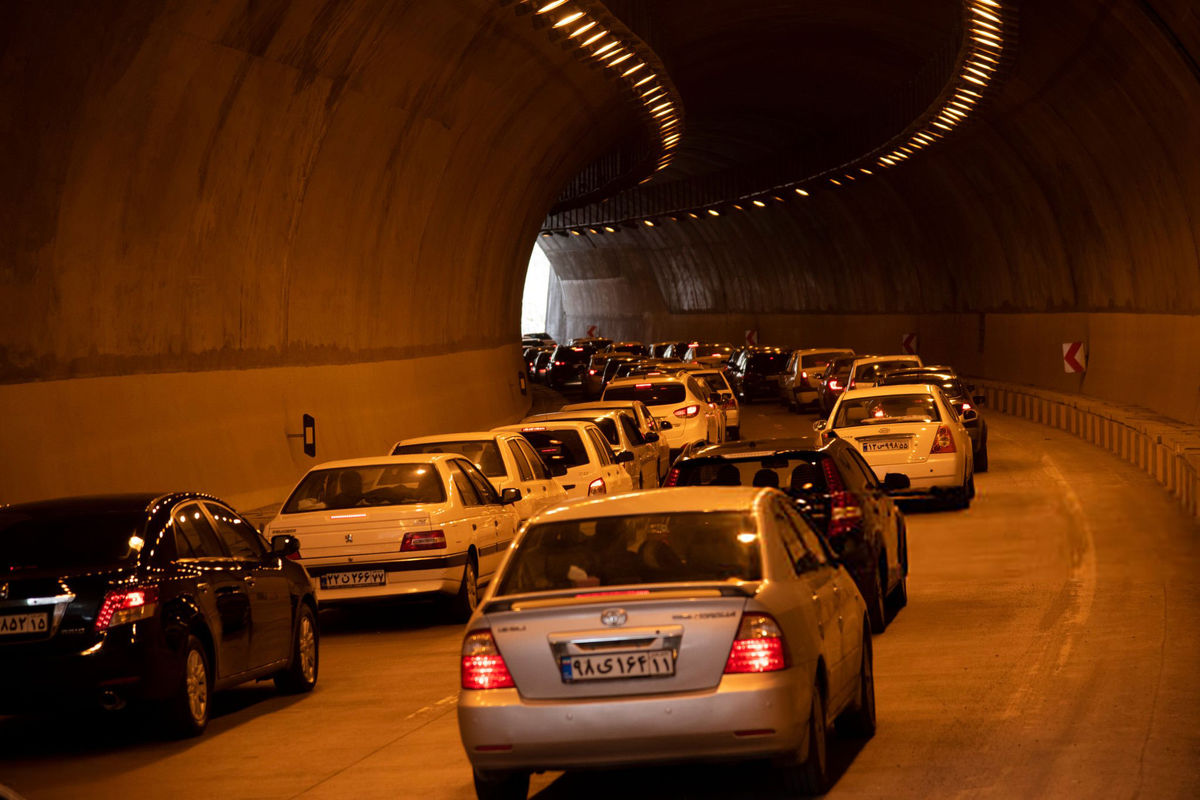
{"x": 672, "y": 625}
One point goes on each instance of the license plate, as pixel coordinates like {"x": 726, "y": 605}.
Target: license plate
{"x": 643, "y": 664}
{"x": 362, "y": 577}
{"x": 18, "y": 624}
{"x": 885, "y": 445}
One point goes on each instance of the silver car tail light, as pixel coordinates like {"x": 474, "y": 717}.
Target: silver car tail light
{"x": 758, "y": 646}
{"x": 482, "y": 665}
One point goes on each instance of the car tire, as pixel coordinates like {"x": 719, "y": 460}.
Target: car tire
{"x": 874, "y": 597}
{"x": 858, "y": 721}
{"x": 971, "y": 487}
{"x": 186, "y": 711}
{"x": 501, "y": 785}
{"x": 734, "y": 433}
{"x": 301, "y": 673}
{"x": 981, "y": 459}
{"x": 464, "y": 603}
{"x": 811, "y": 776}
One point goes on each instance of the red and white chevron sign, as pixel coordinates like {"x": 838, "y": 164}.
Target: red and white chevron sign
{"x": 909, "y": 342}
{"x": 751, "y": 338}
{"x": 1074, "y": 356}
{"x": 591, "y": 331}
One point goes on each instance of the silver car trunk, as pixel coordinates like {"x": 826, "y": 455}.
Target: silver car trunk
{"x": 353, "y": 531}
{"x": 619, "y": 644}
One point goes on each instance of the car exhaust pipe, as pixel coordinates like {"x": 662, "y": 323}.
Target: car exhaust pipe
{"x": 111, "y": 701}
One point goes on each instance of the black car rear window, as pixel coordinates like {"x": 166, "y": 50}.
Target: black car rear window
{"x": 557, "y": 446}
{"x": 57, "y": 541}
{"x": 789, "y": 472}
{"x": 635, "y": 549}
{"x": 652, "y": 394}
{"x": 572, "y": 355}
{"x": 768, "y": 362}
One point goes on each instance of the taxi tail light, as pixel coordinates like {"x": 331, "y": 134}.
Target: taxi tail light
{"x": 482, "y": 665}
{"x": 834, "y": 385}
{"x": 672, "y": 478}
{"x": 597, "y": 487}
{"x": 688, "y": 411}
{"x": 943, "y": 442}
{"x": 803, "y": 375}
{"x": 845, "y": 514}
{"x": 591, "y": 372}
{"x": 122, "y": 606}
{"x": 965, "y": 408}
{"x": 423, "y": 540}
{"x": 758, "y": 646}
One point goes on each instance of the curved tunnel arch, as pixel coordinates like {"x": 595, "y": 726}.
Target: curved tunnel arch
{"x": 215, "y": 219}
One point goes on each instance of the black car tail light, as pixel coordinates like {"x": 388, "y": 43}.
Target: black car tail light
{"x": 123, "y": 606}
{"x": 845, "y": 514}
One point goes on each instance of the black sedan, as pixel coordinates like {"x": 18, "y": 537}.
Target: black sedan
{"x": 147, "y": 599}
{"x": 959, "y": 395}
{"x": 837, "y": 490}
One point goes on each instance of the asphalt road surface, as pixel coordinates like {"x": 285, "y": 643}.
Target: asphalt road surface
{"x": 1049, "y": 649}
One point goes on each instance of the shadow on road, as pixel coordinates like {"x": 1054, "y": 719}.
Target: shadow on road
{"x": 751, "y": 780}
{"x": 385, "y": 615}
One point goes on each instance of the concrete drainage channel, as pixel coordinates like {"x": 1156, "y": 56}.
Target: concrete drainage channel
{"x": 1168, "y": 450}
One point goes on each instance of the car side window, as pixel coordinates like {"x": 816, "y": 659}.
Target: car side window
{"x": 521, "y": 461}
{"x": 868, "y": 474}
{"x": 466, "y": 489}
{"x": 603, "y": 451}
{"x": 540, "y": 471}
{"x": 487, "y": 492}
{"x": 631, "y": 431}
{"x": 194, "y": 534}
{"x": 240, "y": 539}
{"x": 802, "y": 561}
{"x": 811, "y": 539}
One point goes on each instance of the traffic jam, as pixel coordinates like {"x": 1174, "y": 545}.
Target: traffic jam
{"x": 639, "y": 583}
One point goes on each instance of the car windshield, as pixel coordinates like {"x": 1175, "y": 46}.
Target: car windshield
{"x": 652, "y": 394}
{"x": 572, "y": 355}
{"x": 881, "y": 409}
{"x": 640, "y": 549}
{"x": 484, "y": 453}
{"x": 367, "y": 485}
{"x": 563, "y": 447}
{"x": 816, "y": 361}
{"x": 789, "y": 472}
{"x": 68, "y": 540}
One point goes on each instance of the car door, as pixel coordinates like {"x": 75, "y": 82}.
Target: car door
{"x": 266, "y": 585}
{"x": 221, "y": 590}
{"x": 616, "y": 477}
{"x": 476, "y": 520}
{"x": 520, "y": 477}
{"x": 645, "y": 454}
{"x": 813, "y": 566}
{"x": 504, "y": 518}
{"x": 882, "y": 514}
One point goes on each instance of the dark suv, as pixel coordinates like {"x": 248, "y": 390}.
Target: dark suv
{"x": 149, "y": 598}
{"x": 837, "y": 490}
{"x": 756, "y": 372}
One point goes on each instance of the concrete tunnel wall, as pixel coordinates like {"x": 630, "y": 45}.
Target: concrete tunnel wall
{"x": 1069, "y": 211}
{"x": 215, "y": 217}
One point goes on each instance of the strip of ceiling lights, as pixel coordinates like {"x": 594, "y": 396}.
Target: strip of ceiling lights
{"x": 987, "y": 23}
{"x": 597, "y": 38}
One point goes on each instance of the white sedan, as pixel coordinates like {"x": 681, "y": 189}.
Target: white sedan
{"x": 399, "y": 526}
{"x": 695, "y": 624}
{"x": 591, "y": 466}
{"x": 506, "y": 459}
{"x": 682, "y": 404}
{"x": 646, "y": 423}
{"x": 619, "y": 427}
{"x": 912, "y": 430}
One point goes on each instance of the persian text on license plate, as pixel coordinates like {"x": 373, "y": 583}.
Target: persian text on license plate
{"x": 885, "y": 445}
{"x": 17, "y": 624}
{"x": 643, "y": 664}
{"x": 362, "y": 577}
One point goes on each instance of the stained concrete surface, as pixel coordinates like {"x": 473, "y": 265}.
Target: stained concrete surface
{"x": 1049, "y": 649}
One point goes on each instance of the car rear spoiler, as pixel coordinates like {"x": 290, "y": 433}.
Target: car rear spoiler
{"x": 610, "y": 594}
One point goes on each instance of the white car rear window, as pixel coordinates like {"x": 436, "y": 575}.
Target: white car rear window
{"x": 883, "y": 409}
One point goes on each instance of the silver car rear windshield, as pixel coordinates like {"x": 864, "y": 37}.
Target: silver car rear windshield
{"x": 647, "y": 548}
{"x": 885, "y": 409}
{"x": 483, "y": 453}
{"x": 369, "y": 485}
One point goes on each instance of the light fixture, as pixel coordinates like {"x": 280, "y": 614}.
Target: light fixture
{"x": 714, "y": 212}
{"x": 553, "y": 4}
{"x": 567, "y": 20}
{"x": 583, "y": 29}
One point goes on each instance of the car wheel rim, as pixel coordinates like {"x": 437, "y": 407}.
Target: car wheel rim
{"x": 307, "y": 649}
{"x": 197, "y": 685}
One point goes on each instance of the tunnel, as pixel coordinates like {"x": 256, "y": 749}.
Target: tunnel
{"x": 221, "y": 217}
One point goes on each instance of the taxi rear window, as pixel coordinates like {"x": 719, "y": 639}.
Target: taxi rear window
{"x": 652, "y": 394}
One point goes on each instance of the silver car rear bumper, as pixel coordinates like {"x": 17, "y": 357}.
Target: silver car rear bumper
{"x": 502, "y": 731}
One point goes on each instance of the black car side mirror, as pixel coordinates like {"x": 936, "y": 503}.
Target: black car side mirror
{"x": 283, "y": 545}
{"x": 820, "y": 425}
{"x": 509, "y": 496}
{"x": 557, "y": 470}
{"x": 970, "y": 415}
{"x": 980, "y": 400}
{"x": 651, "y": 437}
{"x": 896, "y": 482}
{"x": 624, "y": 457}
